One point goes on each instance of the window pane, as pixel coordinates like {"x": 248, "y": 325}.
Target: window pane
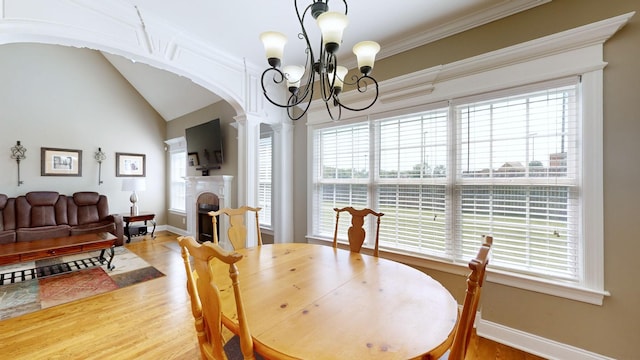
{"x": 344, "y": 152}
{"x": 414, "y": 217}
{"x": 532, "y": 224}
{"x": 265, "y": 165}
{"x": 531, "y": 135}
{"x": 178, "y": 188}
{"x": 512, "y": 152}
{"x": 414, "y": 146}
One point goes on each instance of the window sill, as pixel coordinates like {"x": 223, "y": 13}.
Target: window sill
{"x": 266, "y": 230}
{"x": 519, "y": 281}
{"x": 177, "y": 212}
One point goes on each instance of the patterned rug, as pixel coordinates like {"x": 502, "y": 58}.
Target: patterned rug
{"x": 25, "y": 291}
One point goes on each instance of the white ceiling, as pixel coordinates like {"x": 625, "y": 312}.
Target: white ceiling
{"x": 233, "y": 27}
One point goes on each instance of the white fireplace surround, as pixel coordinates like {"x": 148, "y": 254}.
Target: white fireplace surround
{"x": 220, "y": 185}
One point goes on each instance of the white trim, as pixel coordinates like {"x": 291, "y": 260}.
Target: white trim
{"x": 533, "y": 344}
{"x": 501, "y": 10}
{"x": 175, "y": 230}
{"x": 177, "y": 212}
{"x": 592, "y": 178}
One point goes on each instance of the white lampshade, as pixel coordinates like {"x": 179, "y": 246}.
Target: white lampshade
{"x": 134, "y": 184}
{"x": 273, "y": 42}
{"x": 341, "y": 73}
{"x": 293, "y": 74}
{"x": 366, "y": 53}
{"x": 332, "y": 25}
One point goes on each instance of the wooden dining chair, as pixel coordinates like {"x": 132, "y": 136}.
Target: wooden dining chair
{"x": 475, "y": 280}
{"x": 356, "y": 232}
{"x": 206, "y": 303}
{"x": 237, "y": 231}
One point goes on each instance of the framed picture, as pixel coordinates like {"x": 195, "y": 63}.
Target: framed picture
{"x": 60, "y": 162}
{"x": 193, "y": 159}
{"x": 130, "y": 164}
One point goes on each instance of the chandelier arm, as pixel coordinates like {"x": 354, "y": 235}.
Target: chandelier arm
{"x": 326, "y": 82}
{"x": 304, "y": 34}
{"x": 333, "y": 118}
{"x": 310, "y": 76}
{"x": 290, "y": 111}
{"x": 281, "y": 76}
{"x": 361, "y": 89}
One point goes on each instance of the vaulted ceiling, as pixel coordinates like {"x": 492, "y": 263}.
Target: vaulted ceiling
{"x": 233, "y": 28}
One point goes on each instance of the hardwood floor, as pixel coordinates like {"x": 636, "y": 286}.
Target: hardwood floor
{"x": 150, "y": 320}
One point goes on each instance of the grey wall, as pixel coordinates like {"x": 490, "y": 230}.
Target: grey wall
{"x": 62, "y": 97}
{"x": 612, "y": 329}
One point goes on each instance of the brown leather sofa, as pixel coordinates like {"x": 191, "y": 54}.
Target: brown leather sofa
{"x": 48, "y": 214}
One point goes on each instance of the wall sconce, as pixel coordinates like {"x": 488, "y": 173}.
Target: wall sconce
{"x": 17, "y": 153}
{"x": 99, "y": 156}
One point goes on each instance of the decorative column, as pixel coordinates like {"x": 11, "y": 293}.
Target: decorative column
{"x": 282, "y": 193}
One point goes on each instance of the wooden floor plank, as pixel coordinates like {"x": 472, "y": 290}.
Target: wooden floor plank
{"x": 150, "y": 320}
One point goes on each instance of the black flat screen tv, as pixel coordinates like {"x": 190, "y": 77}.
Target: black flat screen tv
{"x": 204, "y": 145}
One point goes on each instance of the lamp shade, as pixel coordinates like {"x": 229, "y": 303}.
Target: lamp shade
{"x": 134, "y": 184}
{"x": 341, "y": 73}
{"x": 294, "y": 74}
{"x": 366, "y": 53}
{"x": 274, "y": 43}
{"x": 332, "y": 25}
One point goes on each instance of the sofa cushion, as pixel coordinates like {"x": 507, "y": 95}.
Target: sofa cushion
{"x": 42, "y": 232}
{"x": 7, "y": 236}
{"x": 41, "y": 208}
{"x": 96, "y": 227}
{"x": 87, "y": 208}
{"x": 7, "y": 213}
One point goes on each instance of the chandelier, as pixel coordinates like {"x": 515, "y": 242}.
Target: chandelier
{"x": 332, "y": 78}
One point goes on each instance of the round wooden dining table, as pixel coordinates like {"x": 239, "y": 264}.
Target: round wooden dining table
{"x": 306, "y": 301}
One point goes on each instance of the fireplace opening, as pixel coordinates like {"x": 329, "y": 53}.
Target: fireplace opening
{"x": 206, "y": 202}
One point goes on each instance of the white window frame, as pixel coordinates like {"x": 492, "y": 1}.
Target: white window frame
{"x": 177, "y": 147}
{"x": 576, "y": 52}
{"x": 265, "y": 203}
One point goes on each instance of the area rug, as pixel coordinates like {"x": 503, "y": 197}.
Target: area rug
{"x": 36, "y": 285}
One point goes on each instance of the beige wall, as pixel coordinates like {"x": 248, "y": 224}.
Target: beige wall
{"x": 223, "y": 111}
{"x": 63, "y": 97}
{"x": 612, "y": 329}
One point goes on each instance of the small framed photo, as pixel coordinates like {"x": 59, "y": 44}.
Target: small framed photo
{"x": 130, "y": 165}
{"x": 193, "y": 160}
{"x": 60, "y": 162}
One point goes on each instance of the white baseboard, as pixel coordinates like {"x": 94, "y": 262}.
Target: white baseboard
{"x": 173, "y": 229}
{"x": 533, "y": 344}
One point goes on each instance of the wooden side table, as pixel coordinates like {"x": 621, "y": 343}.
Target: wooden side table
{"x": 142, "y": 230}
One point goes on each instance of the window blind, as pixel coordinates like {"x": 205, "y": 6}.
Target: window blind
{"x": 504, "y": 163}
{"x": 342, "y": 158}
{"x": 516, "y": 178}
{"x": 178, "y": 187}
{"x": 265, "y": 161}
{"x": 412, "y": 181}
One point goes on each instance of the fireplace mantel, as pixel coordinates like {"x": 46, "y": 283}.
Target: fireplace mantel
{"x": 197, "y": 185}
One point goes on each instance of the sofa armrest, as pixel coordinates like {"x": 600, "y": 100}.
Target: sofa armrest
{"x": 119, "y": 229}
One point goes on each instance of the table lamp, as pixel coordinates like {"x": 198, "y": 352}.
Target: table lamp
{"x": 133, "y": 185}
